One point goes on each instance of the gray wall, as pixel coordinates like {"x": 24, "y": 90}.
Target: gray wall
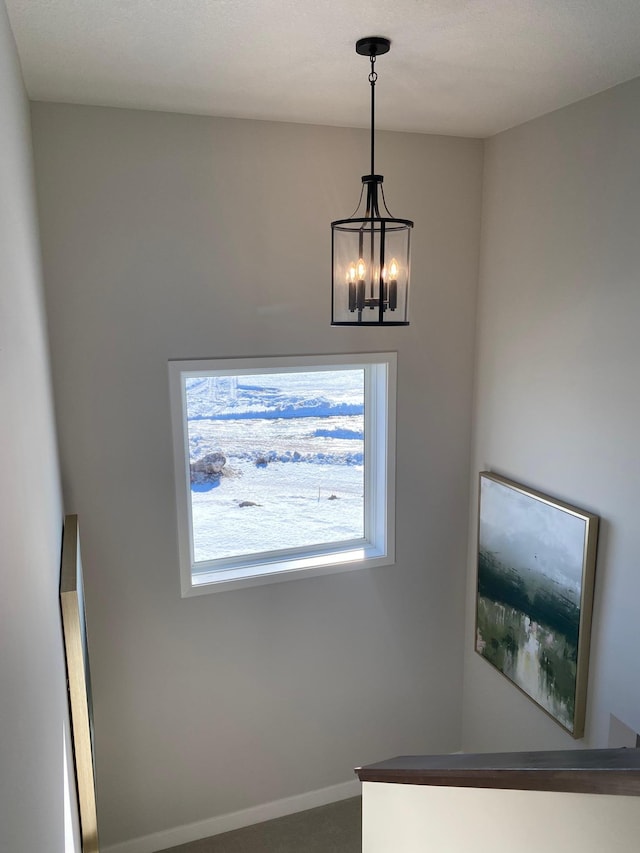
{"x": 557, "y": 392}
{"x": 168, "y": 236}
{"x": 32, "y": 678}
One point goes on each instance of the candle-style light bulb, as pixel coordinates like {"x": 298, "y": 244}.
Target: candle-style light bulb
{"x": 361, "y": 271}
{"x": 351, "y": 284}
{"x": 393, "y": 284}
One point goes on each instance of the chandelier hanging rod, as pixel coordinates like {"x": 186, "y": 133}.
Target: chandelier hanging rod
{"x": 373, "y": 46}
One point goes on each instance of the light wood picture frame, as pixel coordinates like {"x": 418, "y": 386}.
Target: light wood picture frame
{"x": 79, "y": 681}
{"x": 535, "y": 585}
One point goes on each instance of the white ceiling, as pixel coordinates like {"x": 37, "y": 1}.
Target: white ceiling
{"x": 464, "y": 67}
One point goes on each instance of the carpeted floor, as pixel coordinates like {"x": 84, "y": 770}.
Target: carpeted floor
{"x": 335, "y": 828}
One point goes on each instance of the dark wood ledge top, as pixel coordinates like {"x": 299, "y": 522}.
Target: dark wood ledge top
{"x": 585, "y": 771}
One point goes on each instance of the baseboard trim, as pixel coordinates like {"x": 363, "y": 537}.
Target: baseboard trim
{"x": 236, "y": 820}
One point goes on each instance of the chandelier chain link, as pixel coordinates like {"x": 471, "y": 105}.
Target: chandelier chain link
{"x": 373, "y": 76}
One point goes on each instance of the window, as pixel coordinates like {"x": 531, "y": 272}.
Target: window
{"x": 284, "y": 467}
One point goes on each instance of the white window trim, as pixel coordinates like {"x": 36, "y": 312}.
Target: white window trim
{"x": 378, "y": 546}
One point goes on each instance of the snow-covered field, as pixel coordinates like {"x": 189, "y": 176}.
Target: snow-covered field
{"x": 294, "y": 446}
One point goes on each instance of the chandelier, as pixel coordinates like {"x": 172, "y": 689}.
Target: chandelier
{"x": 370, "y": 251}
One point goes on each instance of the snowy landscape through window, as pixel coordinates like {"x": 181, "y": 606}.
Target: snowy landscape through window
{"x": 285, "y": 448}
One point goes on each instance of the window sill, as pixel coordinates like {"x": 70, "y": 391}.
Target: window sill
{"x": 259, "y": 573}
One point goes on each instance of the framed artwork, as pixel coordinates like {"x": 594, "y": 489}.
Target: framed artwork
{"x": 79, "y": 682}
{"x": 536, "y": 565}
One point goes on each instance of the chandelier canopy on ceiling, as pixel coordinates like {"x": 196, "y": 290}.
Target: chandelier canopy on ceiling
{"x": 371, "y": 251}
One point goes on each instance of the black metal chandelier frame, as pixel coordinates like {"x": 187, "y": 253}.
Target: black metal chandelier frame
{"x": 380, "y": 292}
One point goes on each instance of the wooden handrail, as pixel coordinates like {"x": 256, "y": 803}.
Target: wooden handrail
{"x": 585, "y": 771}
